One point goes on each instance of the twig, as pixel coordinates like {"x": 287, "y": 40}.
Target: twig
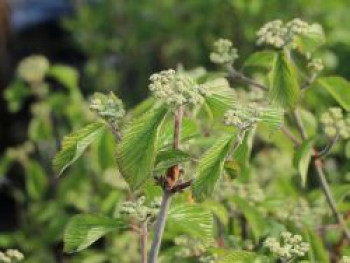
{"x": 236, "y": 75}
{"x": 291, "y": 136}
{"x": 322, "y": 178}
{"x": 171, "y": 176}
{"x": 330, "y": 200}
{"x": 323, "y": 153}
{"x": 143, "y": 241}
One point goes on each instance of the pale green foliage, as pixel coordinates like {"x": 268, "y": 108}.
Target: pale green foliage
{"x": 284, "y": 89}
{"x": 210, "y": 167}
{"x": 33, "y": 69}
{"x": 67, "y": 76}
{"x": 223, "y": 52}
{"x": 75, "y": 144}
{"x": 136, "y": 154}
{"x": 169, "y": 158}
{"x": 239, "y": 256}
{"x": 83, "y": 230}
{"x": 302, "y": 159}
{"x": 192, "y": 220}
{"x": 335, "y": 123}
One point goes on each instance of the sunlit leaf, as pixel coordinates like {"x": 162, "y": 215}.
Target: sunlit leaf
{"x": 238, "y": 256}
{"x": 302, "y": 159}
{"x": 338, "y": 88}
{"x": 75, "y": 144}
{"x": 166, "y": 159}
{"x": 284, "y": 89}
{"x": 66, "y": 75}
{"x": 36, "y": 180}
{"x": 210, "y": 167}
{"x": 261, "y": 59}
{"x": 309, "y": 42}
{"x": 136, "y": 154}
{"x": 83, "y": 230}
{"x": 317, "y": 252}
{"x": 192, "y": 220}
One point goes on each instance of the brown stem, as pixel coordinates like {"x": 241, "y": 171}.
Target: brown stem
{"x": 234, "y": 74}
{"x": 291, "y": 136}
{"x": 143, "y": 241}
{"x": 171, "y": 178}
{"x": 322, "y": 178}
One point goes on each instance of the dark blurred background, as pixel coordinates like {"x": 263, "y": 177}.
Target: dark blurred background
{"x": 116, "y": 44}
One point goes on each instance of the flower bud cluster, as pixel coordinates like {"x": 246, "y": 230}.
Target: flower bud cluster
{"x": 11, "y": 256}
{"x": 279, "y": 34}
{"x": 315, "y": 65}
{"x": 334, "y": 123}
{"x": 190, "y": 247}
{"x": 138, "y": 210}
{"x": 287, "y": 246}
{"x": 33, "y": 69}
{"x": 108, "y": 107}
{"x": 209, "y": 258}
{"x": 250, "y": 192}
{"x": 242, "y": 117}
{"x": 177, "y": 89}
{"x": 223, "y": 52}
{"x": 345, "y": 259}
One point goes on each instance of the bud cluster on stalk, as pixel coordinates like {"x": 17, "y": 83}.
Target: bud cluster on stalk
{"x": 335, "y": 123}
{"x": 242, "y": 117}
{"x": 176, "y": 88}
{"x": 11, "y": 256}
{"x": 223, "y": 52}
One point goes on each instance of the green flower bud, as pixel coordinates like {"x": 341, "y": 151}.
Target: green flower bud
{"x": 223, "y": 52}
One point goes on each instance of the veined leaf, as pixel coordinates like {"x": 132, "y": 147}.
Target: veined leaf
{"x": 36, "y": 180}
{"x": 136, "y": 153}
{"x": 67, "y": 76}
{"x": 317, "y": 252}
{"x": 221, "y": 98}
{"x": 210, "y": 167}
{"x": 189, "y": 129}
{"x": 338, "y": 88}
{"x": 238, "y": 256}
{"x": 192, "y": 220}
{"x": 312, "y": 40}
{"x": 272, "y": 117}
{"x": 242, "y": 154}
{"x": 169, "y": 158}
{"x": 261, "y": 59}
{"x": 302, "y": 159}
{"x": 255, "y": 219}
{"x": 83, "y": 230}
{"x": 74, "y": 145}
{"x": 284, "y": 89}
{"x": 347, "y": 150}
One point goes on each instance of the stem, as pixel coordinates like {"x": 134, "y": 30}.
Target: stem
{"x": 323, "y": 181}
{"x": 167, "y": 193}
{"x": 161, "y": 219}
{"x": 291, "y": 136}
{"x": 328, "y": 147}
{"x": 143, "y": 241}
{"x": 330, "y": 200}
{"x": 234, "y": 74}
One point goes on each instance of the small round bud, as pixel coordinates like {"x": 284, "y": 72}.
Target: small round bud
{"x": 33, "y": 69}
{"x": 223, "y": 52}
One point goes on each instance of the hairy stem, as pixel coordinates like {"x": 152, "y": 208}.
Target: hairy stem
{"x": 143, "y": 241}
{"x": 167, "y": 193}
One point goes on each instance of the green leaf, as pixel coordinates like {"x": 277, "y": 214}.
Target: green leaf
{"x": 338, "y": 88}
{"x": 75, "y": 144}
{"x": 169, "y": 158}
{"x": 261, "y": 59}
{"x": 243, "y": 152}
{"x": 302, "y": 159}
{"x": 83, "y": 230}
{"x": 284, "y": 89}
{"x": 340, "y": 192}
{"x": 238, "y": 256}
{"x": 66, "y": 75}
{"x": 272, "y": 117}
{"x": 347, "y": 150}
{"x": 106, "y": 150}
{"x": 256, "y": 221}
{"x": 309, "y": 42}
{"x": 136, "y": 154}
{"x": 318, "y": 252}
{"x": 218, "y": 209}
{"x": 191, "y": 219}
{"x": 210, "y": 167}
{"x": 36, "y": 180}
{"x": 221, "y": 98}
